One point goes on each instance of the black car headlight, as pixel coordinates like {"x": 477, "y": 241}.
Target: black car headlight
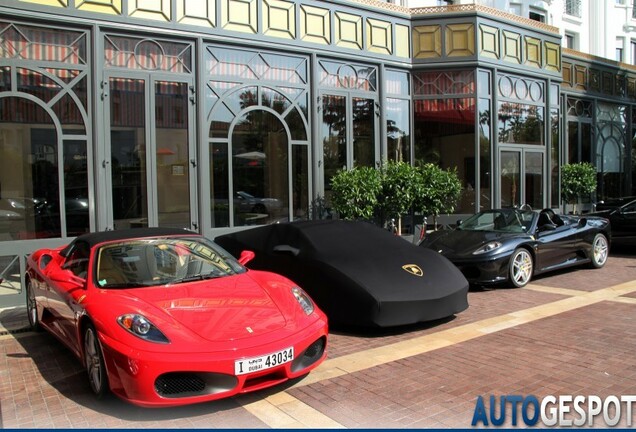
{"x": 303, "y": 300}
{"x": 488, "y": 247}
{"x": 141, "y": 327}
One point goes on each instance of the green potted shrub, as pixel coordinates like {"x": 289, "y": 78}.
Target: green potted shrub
{"x": 438, "y": 191}
{"x": 399, "y": 189}
{"x": 577, "y": 180}
{"x": 355, "y": 192}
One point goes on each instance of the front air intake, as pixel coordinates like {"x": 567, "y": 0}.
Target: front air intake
{"x": 311, "y": 355}
{"x": 187, "y": 384}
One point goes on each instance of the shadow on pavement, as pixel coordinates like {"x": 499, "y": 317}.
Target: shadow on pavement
{"x": 372, "y": 332}
{"x": 623, "y": 250}
{"x": 64, "y": 372}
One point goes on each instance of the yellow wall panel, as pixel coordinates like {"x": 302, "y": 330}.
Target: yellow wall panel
{"x": 150, "y": 9}
{"x": 348, "y": 30}
{"x": 566, "y": 73}
{"x": 533, "y": 52}
{"x": 489, "y": 41}
{"x": 552, "y": 56}
{"x": 239, "y": 15}
{"x": 427, "y": 41}
{"x": 196, "y": 12}
{"x": 112, "y": 7}
{"x": 511, "y": 47}
{"x": 58, "y": 3}
{"x": 315, "y": 24}
{"x": 580, "y": 77}
{"x": 379, "y": 36}
{"x": 402, "y": 41}
{"x": 279, "y": 19}
{"x": 460, "y": 40}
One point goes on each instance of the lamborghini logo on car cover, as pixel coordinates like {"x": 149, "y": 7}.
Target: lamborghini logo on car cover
{"x": 413, "y": 269}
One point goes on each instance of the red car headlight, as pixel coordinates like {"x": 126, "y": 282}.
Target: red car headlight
{"x": 141, "y": 327}
{"x": 303, "y": 300}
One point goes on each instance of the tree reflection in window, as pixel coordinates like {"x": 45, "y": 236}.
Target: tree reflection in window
{"x": 521, "y": 123}
{"x": 260, "y": 168}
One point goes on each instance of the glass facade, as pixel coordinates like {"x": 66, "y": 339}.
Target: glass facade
{"x": 257, "y": 104}
{"x": 611, "y": 150}
{"x": 43, "y": 134}
{"x": 444, "y": 111}
{"x": 196, "y": 131}
{"x": 350, "y": 121}
{"x": 398, "y": 115}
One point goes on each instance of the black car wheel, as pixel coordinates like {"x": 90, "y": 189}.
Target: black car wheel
{"x": 94, "y": 360}
{"x": 600, "y": 251}
{"x": 520, "y": 268}
{"x": 32, "y": 306}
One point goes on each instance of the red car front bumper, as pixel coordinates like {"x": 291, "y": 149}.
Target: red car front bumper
{"x": 156, "y": 379}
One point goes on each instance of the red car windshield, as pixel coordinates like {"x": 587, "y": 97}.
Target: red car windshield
{"x": 161, "y": 261}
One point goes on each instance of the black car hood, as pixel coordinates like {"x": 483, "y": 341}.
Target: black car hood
{"x": 604, "y": 213}
{"x": 460, "y": 243}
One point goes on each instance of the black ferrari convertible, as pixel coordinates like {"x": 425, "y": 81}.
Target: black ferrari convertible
{"x": 510, "y": 245}
{"x": 360, "y": 275}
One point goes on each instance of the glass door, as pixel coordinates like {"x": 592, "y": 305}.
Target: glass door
{"x": 349, "y": 132}
{"x": 521, "y": 177}
{"x": 151, "y": 152}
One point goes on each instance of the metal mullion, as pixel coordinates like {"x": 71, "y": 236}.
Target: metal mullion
{"x": 151, "y": 151}
{"x": 349, "y": 131}
{"x": 193, "y": 164}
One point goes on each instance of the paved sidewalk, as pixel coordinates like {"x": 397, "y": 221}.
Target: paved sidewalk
{"x": 13, "y": 320}
{"x": 573, "y": 332}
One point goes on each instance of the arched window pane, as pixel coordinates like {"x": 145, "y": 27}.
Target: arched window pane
{"x": 29, "y": 192}
{"x": 260, "y": 169}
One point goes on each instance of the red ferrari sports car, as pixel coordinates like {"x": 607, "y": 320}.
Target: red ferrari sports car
{"x": 165, "y": 317}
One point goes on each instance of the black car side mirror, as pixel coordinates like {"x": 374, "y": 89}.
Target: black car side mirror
{"x": 287, "y": 249}
{"x": 582, "y": 222}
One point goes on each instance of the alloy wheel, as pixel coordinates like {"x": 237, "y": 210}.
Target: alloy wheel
{"x": 32, "y": 306}
{"x": 94, "y": 361}
{"x": 600, "y": 251}
{"x": 521, "y": 268}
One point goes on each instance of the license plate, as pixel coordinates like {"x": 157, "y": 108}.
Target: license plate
{"x": 268, "y": 361}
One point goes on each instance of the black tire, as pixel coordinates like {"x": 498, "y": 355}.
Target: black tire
{"x": 520, "y": 268}
{"x": 94, "y": 361}
{"x": 32, "y": 306}
{"x": 600, "y": 251}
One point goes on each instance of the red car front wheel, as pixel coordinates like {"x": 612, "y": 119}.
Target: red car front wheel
{"x": 94, "y": 360}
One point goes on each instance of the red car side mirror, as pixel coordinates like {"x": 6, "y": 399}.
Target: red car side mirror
{"x": 246, "y": 256}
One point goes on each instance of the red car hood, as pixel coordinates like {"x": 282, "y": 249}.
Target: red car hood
{"x": 221, "y": 309}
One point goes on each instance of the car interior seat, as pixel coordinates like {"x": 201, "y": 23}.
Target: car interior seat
{"x": 500, "y": 222}
{"x": 545, "y": 220}
{"x": 108, "y": 272}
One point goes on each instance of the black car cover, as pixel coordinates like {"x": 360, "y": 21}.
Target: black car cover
{"x": 358, "y": 273}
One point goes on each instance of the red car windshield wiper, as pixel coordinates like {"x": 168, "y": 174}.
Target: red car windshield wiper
{"x": 128, "y": 285}
{"x": 196, "y": 277}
